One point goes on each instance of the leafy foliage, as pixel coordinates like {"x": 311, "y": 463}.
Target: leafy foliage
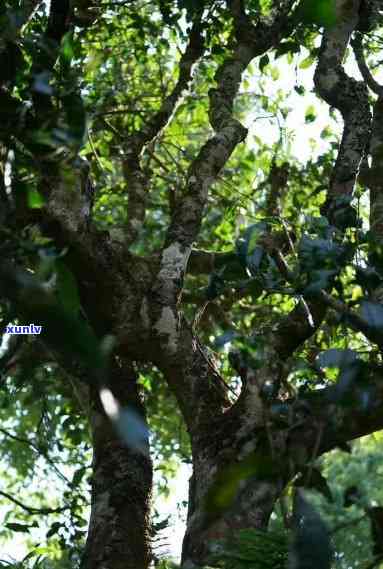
{"x": 72, "y": 102}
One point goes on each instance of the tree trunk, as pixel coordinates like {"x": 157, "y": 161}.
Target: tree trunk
{"x": 251, "y": 508}
{"x": 119, "y": 529}
{"x": 232, "y": 487}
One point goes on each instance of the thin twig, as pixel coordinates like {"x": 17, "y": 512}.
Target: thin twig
{"x": 37, "y": 450}
{"x": 31, "y": 509}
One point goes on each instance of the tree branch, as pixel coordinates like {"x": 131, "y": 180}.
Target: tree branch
{"x": 31, "y": 509}
{"x": 229, "y": 132}
{"x": 59, "y": 20}
{"x": 175, "y": 342}
{"x": 357, "y": 46}
{"x": 343, "y": 421}
{"x": 136, "y": 179}
{"x": 195, "y": 381}
{"x": 38, "y": 451}
{"x": 350, "y": 97}
{"x": 204, "y": 262}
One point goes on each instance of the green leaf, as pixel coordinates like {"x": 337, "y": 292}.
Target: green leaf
{"x": 319, "y": 12}
{"x": 227, "y": 481}
{"x": 34, "y": 199}
{"x": 53, "y": 529}
{"x": 21, "y": 528}
{"x": 326, "y": 133}
{"x": 66, "y": 288}
{"x": 307, "y": 62}
{"x": 264, "y": 61}
{"x": 78, "y": 475}
{"x": 67, "y": 51}
{"x": 310, "y": 114}
{"x": 299, "y": 89}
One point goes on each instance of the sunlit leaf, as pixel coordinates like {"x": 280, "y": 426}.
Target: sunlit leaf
{"x": 34, "y": 199}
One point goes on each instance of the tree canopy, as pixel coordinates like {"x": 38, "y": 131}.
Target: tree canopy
{"x": 191, "y": 210}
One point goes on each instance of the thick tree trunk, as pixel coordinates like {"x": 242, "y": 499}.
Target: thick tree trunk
{"x": 119, "y": 529}
{"x": 232, "y": 487}
{"x": 251, "y": 508}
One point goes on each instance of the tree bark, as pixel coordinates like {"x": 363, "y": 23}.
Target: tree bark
{"x": 251, "y": 508}
{"x": 119, "y": 529}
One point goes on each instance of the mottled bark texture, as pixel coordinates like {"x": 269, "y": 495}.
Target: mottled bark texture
{"x": 350, "y": 97}
{"x": 119, "y": 528}
{"x": 147, "y": 322}
{"x": 137, "y": 300}
{"x": 372, "y": 176}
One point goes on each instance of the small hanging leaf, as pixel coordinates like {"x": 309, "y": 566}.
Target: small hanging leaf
{"x": 264, "y": 61}
{"x": 34, "y": 199}
{"x": 127, "y": 421}
{"x": 223, "y": 339}
{"x": 133, "y": 430}
{"x": 249, "y": 252}
{"x": 299, "y": 89}
{"x": 76, "y": 117}
{"x": 305, "y": 64}
{"x": 310, "y": 114}
{"x": 53, "y": 529}
{"x": 78, "y": 476}
{"x": 215, "y": 287}
{"x": 67, "y": 50}
{"x": 66, "y": 288}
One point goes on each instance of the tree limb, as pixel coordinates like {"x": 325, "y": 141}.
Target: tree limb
{"x": 357, "y": 46}
{"x": 38, "y": 450}
{"x": 136, "y": 179}
{"x": 350, "y": 97}
{"x": 31, "y": 509}
{"x": 176, "y": 343}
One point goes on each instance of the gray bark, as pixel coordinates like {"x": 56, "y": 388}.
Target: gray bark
{"x": 119, "y": 529}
